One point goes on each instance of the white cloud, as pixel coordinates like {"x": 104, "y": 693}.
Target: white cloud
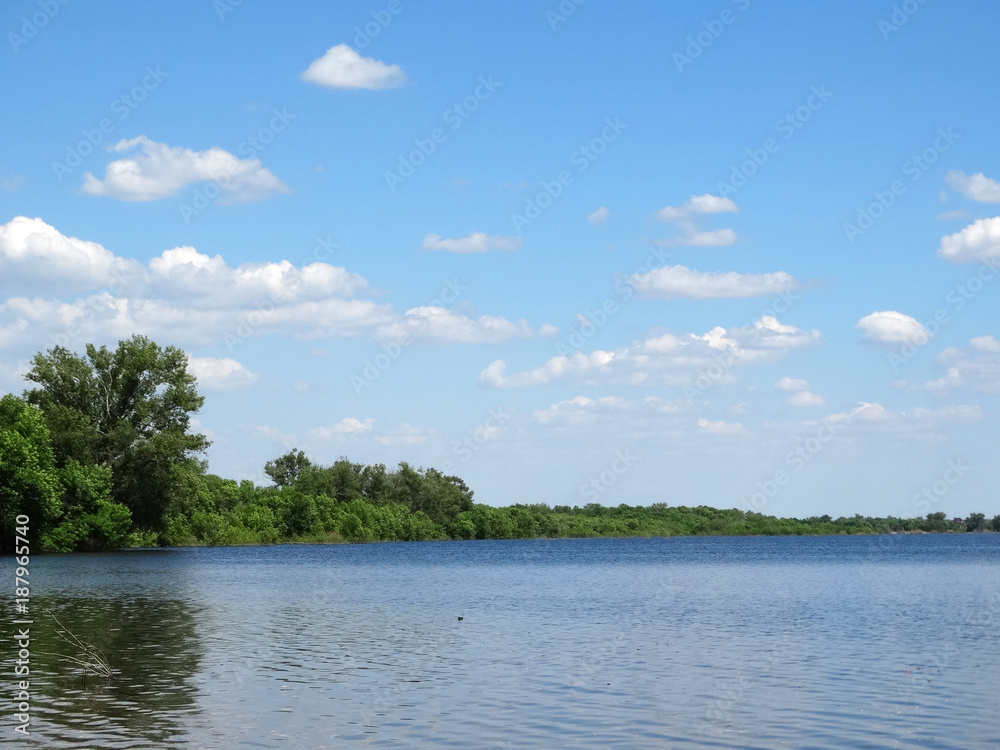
{"x": 185, "y": 274}
{"x": 801, "y": 395}
{"x": 919, "y": 423}
{"x": 975, "y": 368}
{"x": 665, "y": 358}
{"x": 477, "y": 242}
{"x": 220, "y": 374}
{"x": 690, "y": 235}
{"x": 599, "y": 216}
{"x": 681, "y": 282}
{"x": 37, "y": 258}
{"x": 791, "y": 384}
{"x": 721, "y": 428}
{"x": 693, "y": 237}
{"x": 160, "y": 171}
{"x": 980, "y": 241}
{"x": 583, "y": 410}
{"x": 346, "y": 426}
{"x": 804, "y": 399}
{"x": 958, "y": 213}
{"x": 978, "y": 187}
{"x": 697, "y": 204}
{"x": 891, "y": 327}
{"x": 343, "y": 68}
{"x": 11, "y": 184}
{"x": 984, "y": 344}
{"x": 439, "y": 325}
{"x": 406, "y": 434}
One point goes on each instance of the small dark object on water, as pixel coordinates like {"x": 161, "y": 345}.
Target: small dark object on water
{"x": 460, "y": 619}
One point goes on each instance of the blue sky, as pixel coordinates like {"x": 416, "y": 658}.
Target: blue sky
{"x": 763, "y": 208}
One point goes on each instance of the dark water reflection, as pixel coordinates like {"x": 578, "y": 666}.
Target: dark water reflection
{"x": 757, "y": 643}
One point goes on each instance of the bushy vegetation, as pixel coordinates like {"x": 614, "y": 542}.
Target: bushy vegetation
{"x": 100, "y": 456}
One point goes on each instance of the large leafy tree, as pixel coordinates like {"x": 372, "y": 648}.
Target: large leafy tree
{"x": 29, "y": 483}
{"x": 128, "y": 409}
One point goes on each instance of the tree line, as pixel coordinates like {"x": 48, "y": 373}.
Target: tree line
{"x": 99, "y": 453}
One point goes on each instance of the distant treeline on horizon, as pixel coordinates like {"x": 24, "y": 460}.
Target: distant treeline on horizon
{"x": 100, "y": 455}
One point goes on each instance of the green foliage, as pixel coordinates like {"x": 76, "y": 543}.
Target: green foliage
{"x": 100, "y": 455}
{"x": 130, "y": 410}
{"x": 91, "y": 520}
{"x": 975, "y": 522}
{"x": 286, "y": 470}
{"x": 29, "y": 483}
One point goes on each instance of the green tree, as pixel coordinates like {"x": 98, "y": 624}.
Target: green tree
{"x": 286, "y": 470}
{"x": 975, "y": 522}
{"x": 29, "y": 483}
{"x": 129, "y": 409}
{"x": 91, "y": 521}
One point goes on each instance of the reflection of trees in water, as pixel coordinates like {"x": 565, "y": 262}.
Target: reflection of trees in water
{"x": 153, "y": 648}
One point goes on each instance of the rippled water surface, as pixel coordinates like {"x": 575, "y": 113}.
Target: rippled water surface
{"x": 804, "y": 642}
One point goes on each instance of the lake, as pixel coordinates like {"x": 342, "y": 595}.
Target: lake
{"x": 746, "y": 642}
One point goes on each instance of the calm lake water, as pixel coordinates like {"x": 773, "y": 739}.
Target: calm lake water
{"x": 804, "y": 642}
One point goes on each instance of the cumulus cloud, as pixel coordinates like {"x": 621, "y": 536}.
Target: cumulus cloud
{"x": 665, "y": 359}
{"x": 918, "y": 423}
{"x": 691, "y": 235}
{"x": 978, "y": 242}
{"x": 974, "y": 368}
{"x": 721, "y": 428}
{"x": 185, "y": 274}
{"x": 583, "y": 410}
{"x": 346, "y": 426}
{"x": 791, "y": 384}
{"x": 801, "y": 396}
{"x": 891, "y": 327}
{"x": 697, "y": 204}
{"x": 156, "y": 170}
{"x": 477, "y": 242}
{"x": 220, "y": 374}
{"x": 406, "y": 434}
{"x": 978, "y": 187}
{"x": 37, "y": 258}
{"x": 599, "y": 216}
{"x": 432, "y": 324}
{"x": 681, "y": 282}
{"x": 189, "y": 298}
{"x": 805, "y": 399}
{"x": 343, "y": 68}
